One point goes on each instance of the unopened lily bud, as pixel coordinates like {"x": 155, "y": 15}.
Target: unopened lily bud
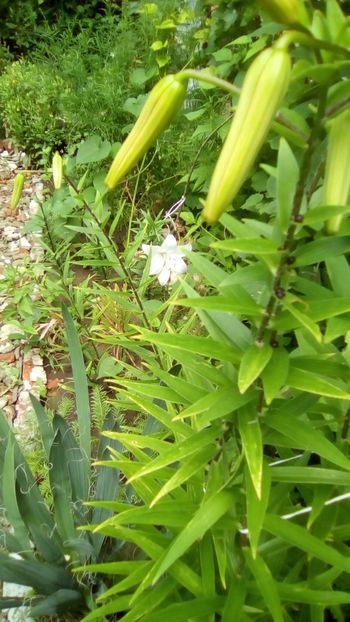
{"x": 263, "y": 89}
{"x": 162, "y": 104}
{"x": 17, "y": 190}
{"x": 337, "y": 176}
{"x": 286, "y": 11}
{"x": 57, "y": 170}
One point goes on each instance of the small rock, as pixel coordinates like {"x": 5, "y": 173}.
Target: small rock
{"x": 6, "y": 346}
{"x": 24, "y": 243}
{"x": 8, "y": 357}
{"x": 38, "y": 373}
{"x": 3, "y": 401}
{"x": 12, "y": 165}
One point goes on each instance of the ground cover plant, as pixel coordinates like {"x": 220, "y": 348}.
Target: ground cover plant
{"x": 234, "y": 383}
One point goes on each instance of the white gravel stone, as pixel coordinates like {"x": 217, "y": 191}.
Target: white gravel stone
{"x": 38, "y": 374}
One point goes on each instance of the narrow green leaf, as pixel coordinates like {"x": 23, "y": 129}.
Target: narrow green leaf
{"x": 190, "y": 609}
{"x": 234, "y": 602}
{"x": 44, "y": 578}
{"x": 207, "y": 515}
{"x": 313, "y": 383}
{"x": 267, "y": 586}
{"x": 320, "y": 250}
{"x": 180, "y": 451}
{"x": 251, "y": 246}
{"x": 238, "y": 304}
{"x": 190, "y": 467}
{"x": 275, "y": 374}
{"x": 256, "y": 507}
{"x": 287, "y": 177}
{"x": 303, "y": 435}
{"x": 299, "y": 537}
{"x": 299, "y": 593}
{"x": 80, "y": 385}
{"x": 254, "y": 361}
{"x": 204, "y": 346}
{"x": 324, "y": 212}
{"x": 309, "y": 475}
{"x": 304, "y": 320}
{"x": 249, "y": 429}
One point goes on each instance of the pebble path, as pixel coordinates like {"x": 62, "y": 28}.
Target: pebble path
{"x": 21, "y": 368}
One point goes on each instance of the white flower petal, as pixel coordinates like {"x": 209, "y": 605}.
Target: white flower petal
{"x": 157, "y": 262}
{"x": 178, "y": 265}
{"x": 169, "y": 243}
{"x": 164, "y": 276}
{"x": 145, "y": 248}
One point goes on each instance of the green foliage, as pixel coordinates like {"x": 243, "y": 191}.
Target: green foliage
{"x": 46, "y": 539}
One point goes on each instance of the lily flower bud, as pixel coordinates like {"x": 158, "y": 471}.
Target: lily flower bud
{"x": 286, "y": 11}
{"x": 337, "y": 176}
{"x": 57, "y": 169}
{"x": 263, "y": 89}
{"x": 162, "y": 104}
{"x": 17, "y": 190}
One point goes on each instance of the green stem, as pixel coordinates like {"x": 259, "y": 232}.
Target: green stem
{"x": 205, "y": 76}
{"x": 296, "y": 36}
{"x": 277, "y": 291}
{"x": 117, "y": 254}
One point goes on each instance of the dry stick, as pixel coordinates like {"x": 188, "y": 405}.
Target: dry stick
{"x": 277, "y": 291}
{"x": 117, "y": 254}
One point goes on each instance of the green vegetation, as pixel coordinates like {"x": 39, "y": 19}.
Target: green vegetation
{"x": 206, "y": 476}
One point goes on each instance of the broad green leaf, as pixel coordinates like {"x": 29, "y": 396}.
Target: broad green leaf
{"x": 313, "y": 383}
{"x": 206, "y": 516}
{"x": 302, "y": 434}
{"x": 61, "y": 490}
{"x": 275, "y": 374}
{"x": 59, "y": 602}
{"x": 256, "y": 507}
{"x": 12, "y": 513}
{"x": 72, "y": 455}
{"x": 80, "y": 385}
{"x": 44, "y": 578}
{"x": 266, "y": 585}
{"x": 93, "y": 149}
{"x": 299, "y": 537}
{"x": 253, "y": 362}
{"x": 249, "y": 246}
{"x": 319, "y": 250}
{"x": 160, "y": 414}
{"x": 32, "y": 507}
{"x": 249, "y": 429}
{"x": 46, "y": 431}
{"x": 287, "y": 177}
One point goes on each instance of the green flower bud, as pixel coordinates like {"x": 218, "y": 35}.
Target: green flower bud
{"x": 17, "y": 190}
{"x": 162, "y": 104}
{"x": 337, "y": 176}
{"x": 286, "y": 11}
{"x": 263, "y": 89}
{"x": 57, "y": 170}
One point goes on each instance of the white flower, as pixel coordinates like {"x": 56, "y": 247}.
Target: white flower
{"x": 166, "y": 260}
